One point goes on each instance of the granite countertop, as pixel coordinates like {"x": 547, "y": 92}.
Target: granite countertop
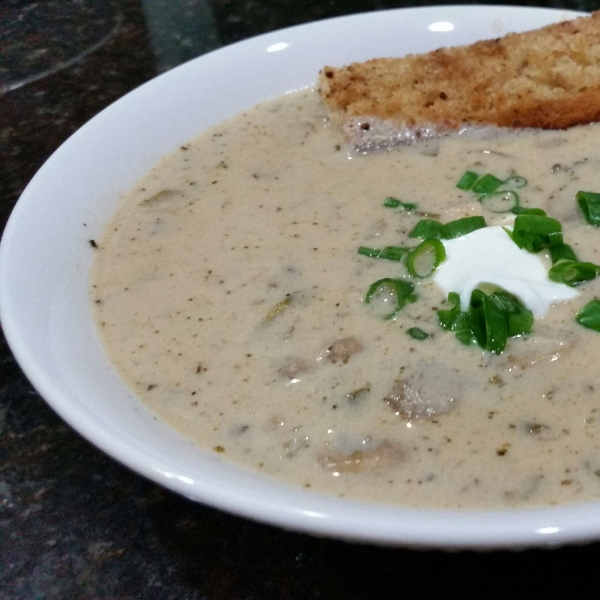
{"x": 74, "y": 524}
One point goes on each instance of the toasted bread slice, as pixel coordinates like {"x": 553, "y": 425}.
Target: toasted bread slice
{"x": 547, "y": 78}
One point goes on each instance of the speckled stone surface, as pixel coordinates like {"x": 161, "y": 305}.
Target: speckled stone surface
{"x": 75, "y": 525}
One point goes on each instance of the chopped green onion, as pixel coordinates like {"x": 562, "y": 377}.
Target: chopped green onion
{"x": 520, "y": 318}
{"x": 489, "y": 322}
{"x": 500, "y": 201}
{"x": 402, "y": 290}
{"x": 530, "y": 241}
{"x": 561, "y": 251}
{"x": 573, "y": 272}
{"x": 516, "y": 182}
{"x": 489, "y": 183}
{"x": 370, "y": 252}
{"x": 455, "y": 320}
{"x": 425, "y": 258}
{"x": 589, "y": 315}
{"x": 426, "y": 228}
{"x": 447, "y": 318}
{"x": 417, "y": 334}
{"x": 589, "y": 203}
{"x": 467, "y": 180}
{"x": 395, "y": 203}
{"x": 389, "y": 252}
{"x": 460, "y": 227}
{"x": 555, "y": 238}
{"x": 520, "y": 323}
{"x": 537, "y": 224}
{"x": 391, "y": 203}
{"x": 521, "y": 210}
{"x": 534, "y": 232}
{"x": 486, "y": 184}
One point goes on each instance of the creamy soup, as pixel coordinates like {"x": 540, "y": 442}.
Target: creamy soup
{"x": 231, "y": 299}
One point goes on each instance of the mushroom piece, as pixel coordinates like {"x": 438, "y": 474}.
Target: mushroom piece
{"x": 164, "y": 202}
{"x": 293, "y": 368}
{"x": 377, "y": 229}
{"x": 541, "y": 432}
{"x": 356, "y": 397}
{"x": 342, "y": 350}
{"x": 420, "y": 396}
{"x": 533, "y": 351}
{"x": 376, "y": 458}
{"x": 160, "y": 197}
{"x": 525, "y": 489}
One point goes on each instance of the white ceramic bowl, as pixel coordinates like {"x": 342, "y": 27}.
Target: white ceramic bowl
{"x": 45, "y": 261}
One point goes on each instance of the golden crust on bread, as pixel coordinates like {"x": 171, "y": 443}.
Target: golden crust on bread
{"x": 547, "y": 78}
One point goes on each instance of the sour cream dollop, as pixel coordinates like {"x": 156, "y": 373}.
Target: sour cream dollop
{"x": 488, "y": 255}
